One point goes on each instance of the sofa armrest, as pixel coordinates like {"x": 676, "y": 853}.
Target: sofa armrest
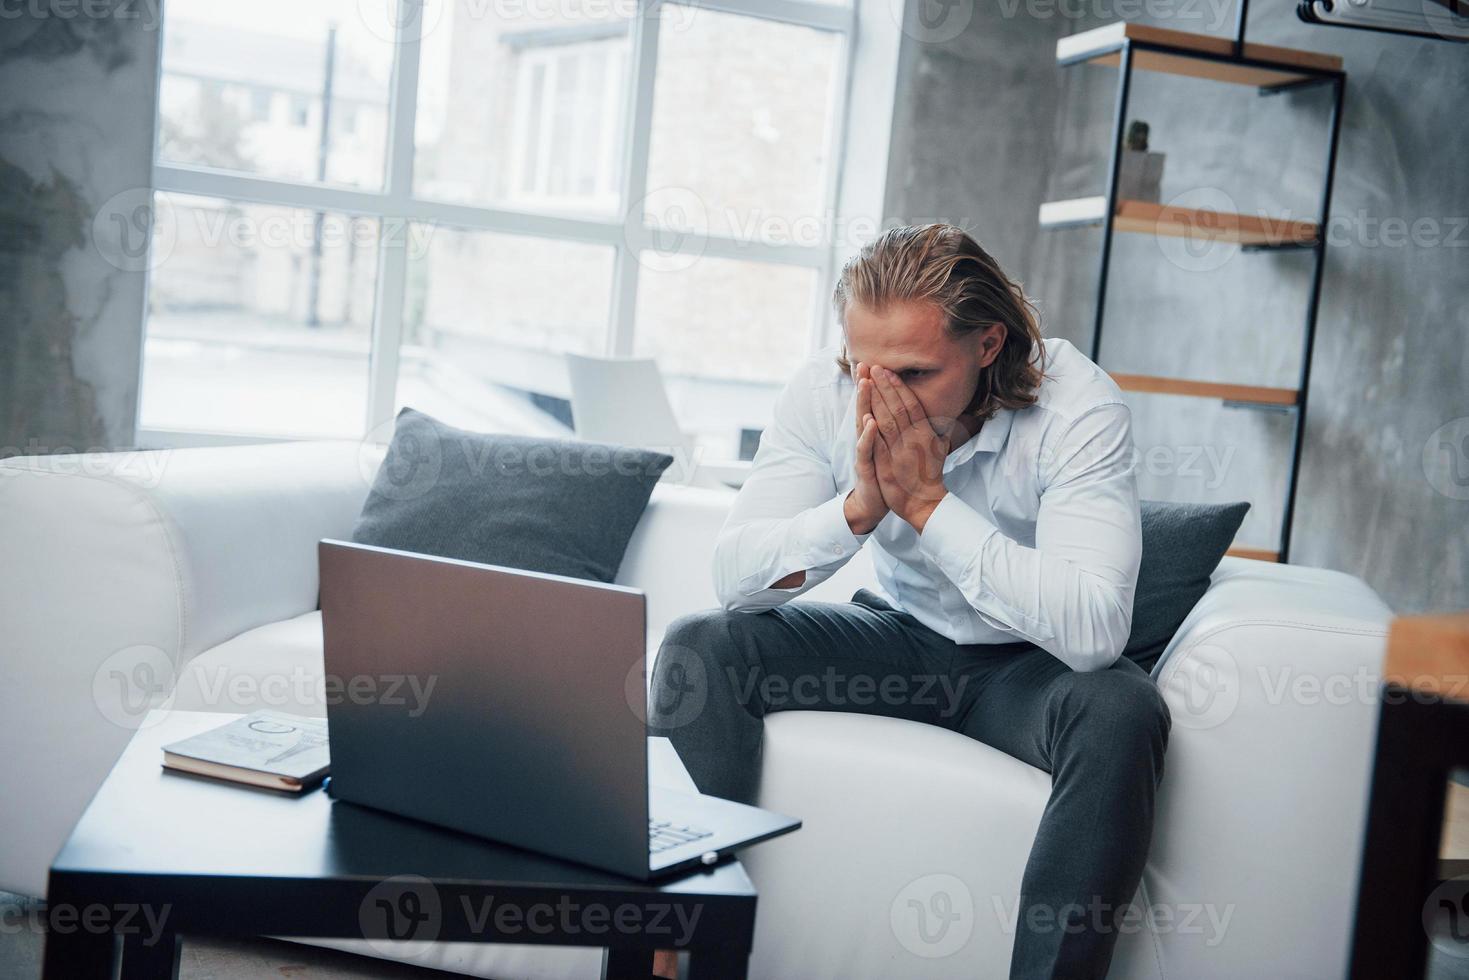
{"x": 1272, "y": 683}
{"x": 121, "y": 567}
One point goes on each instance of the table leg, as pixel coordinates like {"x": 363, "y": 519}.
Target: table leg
{"x": 1417, "y": 744}
{"x": 718, "y": 963}
{"x": 78, "y": 955}
{"x": 157, "y": 959}
{"x": 627, "y": 964}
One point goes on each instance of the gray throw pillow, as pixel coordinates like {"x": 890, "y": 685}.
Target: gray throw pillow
{"x": 1182, "y": 545}
{"x": 561, "y": 506}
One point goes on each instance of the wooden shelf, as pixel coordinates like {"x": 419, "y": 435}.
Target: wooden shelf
{"x": 1253, "y": 394}
{"x": 1195, "y": 55}
{"x": 1257, "y": 554}
{"x": 1174, "y": 222}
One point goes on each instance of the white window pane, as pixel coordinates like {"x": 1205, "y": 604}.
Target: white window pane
{"x": 487, "y": 321}
{"x": 727, "y": 334}
{"x": 522, "y": 105}
{"x": 741, "y": 116}
{"x": 246, "y": 87}
{"x": 253, "y": 328}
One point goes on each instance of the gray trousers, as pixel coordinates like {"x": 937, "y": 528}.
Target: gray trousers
{"x": 1101, "y": 735}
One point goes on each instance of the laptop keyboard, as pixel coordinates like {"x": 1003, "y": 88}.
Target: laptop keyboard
{"x": 663, "y": 834}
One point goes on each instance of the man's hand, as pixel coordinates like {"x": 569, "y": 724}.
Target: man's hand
{"x": 909, "y": 454}
{"x": 865, "y": 506}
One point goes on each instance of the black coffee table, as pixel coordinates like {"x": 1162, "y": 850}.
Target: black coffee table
{"x": 159, "y": 855}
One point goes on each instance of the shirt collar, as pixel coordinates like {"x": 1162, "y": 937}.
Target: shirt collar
{"x": 989, "y": 439}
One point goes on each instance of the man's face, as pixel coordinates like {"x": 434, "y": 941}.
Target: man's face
{"x": 910, "y": 340}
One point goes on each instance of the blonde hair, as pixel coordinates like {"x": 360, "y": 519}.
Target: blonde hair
{"x": 943, "y": 265}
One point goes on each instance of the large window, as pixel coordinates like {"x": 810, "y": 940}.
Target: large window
{"x": 364, "y": 205}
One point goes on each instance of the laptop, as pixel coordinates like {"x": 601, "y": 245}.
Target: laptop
{"x": 507, "y": 704}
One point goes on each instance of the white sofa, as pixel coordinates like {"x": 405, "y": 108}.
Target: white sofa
{"x": 199, "y": 565}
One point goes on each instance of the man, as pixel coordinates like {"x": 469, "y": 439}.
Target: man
{"x": 993, "y": 473}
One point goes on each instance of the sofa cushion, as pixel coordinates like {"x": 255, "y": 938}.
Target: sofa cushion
{"x": 567, "y": 507}
{"x": 277, "y": 665}
{"x": 1182, "y": 545}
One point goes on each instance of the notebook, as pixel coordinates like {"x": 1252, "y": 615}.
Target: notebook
{"x": 267, "y": 748}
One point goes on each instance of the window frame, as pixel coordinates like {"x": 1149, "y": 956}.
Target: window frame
{"x": 551, "y": 58}
{"x": 396, "y": 206}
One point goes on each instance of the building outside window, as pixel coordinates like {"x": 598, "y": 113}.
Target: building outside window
{"x": 450, "y": 204}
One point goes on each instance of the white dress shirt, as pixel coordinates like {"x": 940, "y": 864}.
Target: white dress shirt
{"x": 1038, "y": 537}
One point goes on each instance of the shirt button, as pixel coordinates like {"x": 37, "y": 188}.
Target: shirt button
{"x": 836, "y": 549}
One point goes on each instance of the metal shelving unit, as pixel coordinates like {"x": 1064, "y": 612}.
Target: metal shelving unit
{"x": 1270, "y": 69}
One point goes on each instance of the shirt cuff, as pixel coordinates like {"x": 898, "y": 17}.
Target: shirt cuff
{"x": 953, "y": 538}
{"x": 826, "y": 536}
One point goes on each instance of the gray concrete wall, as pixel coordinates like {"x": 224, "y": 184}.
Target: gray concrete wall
{"x": 76, "y": 134}
{"x": 1384, "y": 489}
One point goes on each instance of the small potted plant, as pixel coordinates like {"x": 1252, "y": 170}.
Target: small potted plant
{"x": 1140, "y": 176}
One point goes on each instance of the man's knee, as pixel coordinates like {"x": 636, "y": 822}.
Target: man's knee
{"x": 704, "y": 627}
{"x": 715, "y": 638}
{"x": 699, "y": 650}
{"x": 1120, "y": 706}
